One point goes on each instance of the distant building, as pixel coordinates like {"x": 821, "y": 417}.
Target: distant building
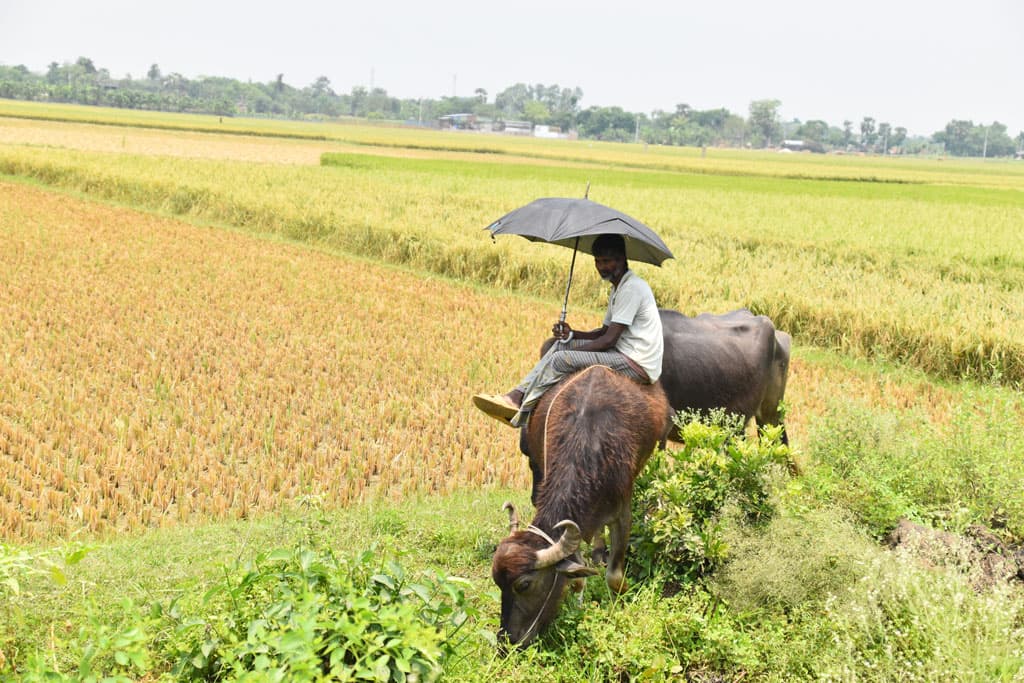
{"x": 516, "y": 128}
{"x": 802, "y": 146}
{"x": 540, "y": 131}
{"x": 457, "y": 122}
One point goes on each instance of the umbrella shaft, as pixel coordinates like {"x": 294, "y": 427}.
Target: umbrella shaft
{"x": 572, "y": 266}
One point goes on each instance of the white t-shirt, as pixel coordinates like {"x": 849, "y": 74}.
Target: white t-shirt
{"x": 632, "y": 304}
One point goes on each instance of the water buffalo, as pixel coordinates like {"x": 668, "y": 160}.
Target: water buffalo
{"x": 737, "y": 361}
{"x": 589, "y": 437}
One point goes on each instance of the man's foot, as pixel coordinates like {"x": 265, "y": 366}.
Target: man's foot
{"x": 501, "y": 408}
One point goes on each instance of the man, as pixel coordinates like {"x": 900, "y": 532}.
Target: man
{"x": 629, "y": 340}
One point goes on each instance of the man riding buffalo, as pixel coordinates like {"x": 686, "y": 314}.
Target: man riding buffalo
{"x": 629, "y": 341}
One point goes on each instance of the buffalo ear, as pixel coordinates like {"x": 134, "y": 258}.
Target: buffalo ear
{"x": 575, "y": 570}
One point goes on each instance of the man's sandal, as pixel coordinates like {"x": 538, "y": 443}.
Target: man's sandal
{"x": 498, "y": 407}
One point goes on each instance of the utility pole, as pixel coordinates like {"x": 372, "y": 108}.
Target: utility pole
{"x": 984, "y": 147}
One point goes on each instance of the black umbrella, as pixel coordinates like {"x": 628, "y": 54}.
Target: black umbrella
{"x": 577, "y": 223}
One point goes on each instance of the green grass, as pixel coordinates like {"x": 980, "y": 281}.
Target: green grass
{"x": 807, "y": 597}
{"x": 810, "y": 594}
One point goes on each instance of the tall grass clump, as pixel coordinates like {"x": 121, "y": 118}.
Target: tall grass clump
{"x": 825, "y": 602}
{"x": 906, "y": 622}
{"x": 883, "y": 466}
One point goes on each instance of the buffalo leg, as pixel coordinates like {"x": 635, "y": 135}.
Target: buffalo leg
{"x": 598, "y": 549}
{"x": 618, "y": 534}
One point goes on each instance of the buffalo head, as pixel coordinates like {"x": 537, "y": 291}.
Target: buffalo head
{"x": 532, "y": 571}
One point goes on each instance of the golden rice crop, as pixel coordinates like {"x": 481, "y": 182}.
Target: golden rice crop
{"x": 932, "y": 283}
{"x": 156, "y": 372}
{"x": 410, "y": 141}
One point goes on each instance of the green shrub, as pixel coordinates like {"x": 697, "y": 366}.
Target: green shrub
{"x": 291, "y": 614}
{"x": 306, "y": 615}
{"x": 112, "y": 652}
{"x": 18, "y": 564}
{"x": 679, "y": 500}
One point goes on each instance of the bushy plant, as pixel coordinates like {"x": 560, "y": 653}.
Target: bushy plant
{"x": 18, "y": 564}
{"x": 112, "y": 652}
{"x": 679, "y": 500}
{"x": 288, "y": 614}
{"x": 305, "y": 614}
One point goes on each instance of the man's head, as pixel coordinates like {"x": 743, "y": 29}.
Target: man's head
{"x": 610, "y": 257}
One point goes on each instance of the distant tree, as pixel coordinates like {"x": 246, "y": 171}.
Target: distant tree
{"x": 867, "y": 133}
{"x": 154, "y": 73}
{"x": 279, "y": 83}
{"x": 536, "y": 112}
{"x": 358, "y": 101}
{"x": 481, "y": 94}
{"x": 53, "y": 73}
{"x": 86, "y": 64}
{"x": 511, "y": 101}
{"x": 712, "y": 119}
{"x": 995, "y": 141}
{"x": 19, "y": 72}
{"x": 899, "y": 135}
{"x": 764, "y": 121}
{"x": 813, "y": 131}
{"x": 321, "y": 86}
{"x": 847, "y": 133}
{"x": 884, "y": 131}
{"x": 963, "y": 138}
{"x": 734, "y": 130}
{"x": 607, "y": 123}
{"x": 956, "y": 137}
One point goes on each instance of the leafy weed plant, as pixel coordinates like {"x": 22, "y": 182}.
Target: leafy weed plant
{"x": 679, "y": 500}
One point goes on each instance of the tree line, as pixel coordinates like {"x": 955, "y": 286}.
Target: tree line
{"x": 82, "y": 82}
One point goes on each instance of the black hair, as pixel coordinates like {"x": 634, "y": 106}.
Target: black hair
{"x": 609, "y": 245}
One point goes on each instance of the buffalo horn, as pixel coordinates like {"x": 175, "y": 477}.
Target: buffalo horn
{"x": 566, "y": 545}
{"x": 513, "y": 516}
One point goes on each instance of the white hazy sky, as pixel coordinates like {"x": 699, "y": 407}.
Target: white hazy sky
{"x": 916, "y": 64}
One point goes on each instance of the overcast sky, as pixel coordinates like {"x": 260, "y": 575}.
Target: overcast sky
{"x": 915, "y": 64}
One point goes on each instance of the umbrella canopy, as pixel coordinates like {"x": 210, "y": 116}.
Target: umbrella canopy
{"x": 576, "y": 223}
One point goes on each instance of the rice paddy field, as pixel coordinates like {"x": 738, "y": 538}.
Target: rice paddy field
{"x": 206, "y": 321}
